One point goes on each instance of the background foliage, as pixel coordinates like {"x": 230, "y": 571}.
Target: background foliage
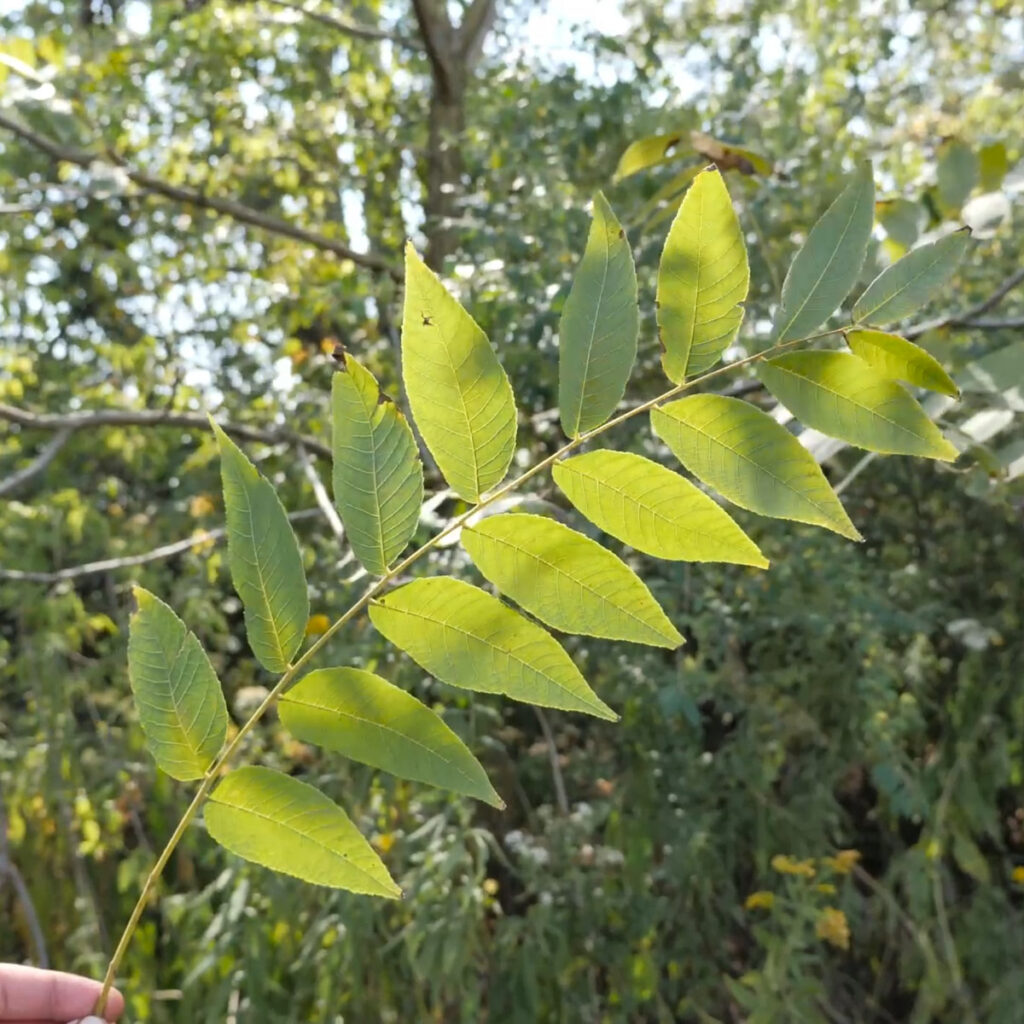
{"x": 666, "y": 868}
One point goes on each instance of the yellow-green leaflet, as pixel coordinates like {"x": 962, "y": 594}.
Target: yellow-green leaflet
{"x": 469, "y": 639}
{"x": 266, "y": 566}
{"x": 459, "y": 395}
{"x": 364, "y": 717}
{"x": 646, "y": 152}
{"x": 750, "y": 459}
{"x": 181, "y": 705}
{"x": 828, "y": 264}
{"x": 567, "y": 580}
{"x": 600, "y": 323}
{"x": 904, "y": 287}
{"x": 287, "y": 825}
{"x": 840, "y": 395}
{"x": 378, "y": 478}
{"x": 900, "y": 359}
{"x": 702, "y": 280}
{"x": 653, "y": 509}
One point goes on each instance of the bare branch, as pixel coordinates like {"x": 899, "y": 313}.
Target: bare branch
{"x": 348, "y": 28}
{"x": 149, "y": 418}
{"x": 8, "y": 869}
{"x": 10, "y": 484}
{"x": 561, "y": 798}
{"x": 127, "y": 561}
{"x": 970, "y": 317}
{"x": 228, "y": 207}
{"x": 320, "y": 493}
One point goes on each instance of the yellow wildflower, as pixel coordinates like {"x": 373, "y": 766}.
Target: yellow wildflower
{"x": 317, "y": 624}
{"x": 491, "y": 886}
{"x": 201, "y": 505}
{"x": 760, "y": 900}
{"x": 1018, "y": 874}
{"x": 833, "y": 927}
{"x": 843, "y": 862}
{"x": 786, "y": 865}
{"x": 825, "y": 887}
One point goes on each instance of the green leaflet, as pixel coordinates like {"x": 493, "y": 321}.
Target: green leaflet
{"x": 469, "y": 639}
{"x": 702, "y": 280}
{"x": 646, "y": 152}
{"x": 956, "y": 173}
{"x": 181, "y": 705}
{"x": 459, "y": 394}
{"x": 993, "y": 165}
{"x": 900, "y": 359}
{"x": 901, "y": 219}
{"x": 378, "y": 478}
{"x": 364, "y": 717}
{"x": 840, "y": 395}
{"x": 287, "y": 825}
{"x": 750, "y": 459}
{"x": 906, "y": 285}
{"x": 266, "y": 566}
{"x": 828, "y": 264}
{"x": 600, "y": 323}
{"x": 567, "y": 580}
{"x": 653, "y": 509}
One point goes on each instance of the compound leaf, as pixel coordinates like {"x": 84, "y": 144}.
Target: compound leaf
{"x": 829, "y": 263}
{"x": 469, "y": 639}
{"x": 750, "y": 459}
{"x": 459, "y": 394}
{"x": 181, "y": 705}
{"x": 366, "y": 718}
{"x": 287, "y": 825}
{"x": 906, "y": 285}
{"x": 653, "y": 509}
{"x": 600, "y": 323}
{"x": 900, "y": 359}
{"x": 702, "y": 280}
{"x": 378, "y": 477}
{"x": 840, "y": 395}
{"x": 567, "y": 580}
{"x": 266, "y": 566}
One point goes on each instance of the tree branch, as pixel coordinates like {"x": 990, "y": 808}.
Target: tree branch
{"x": 473, "y": 30}
{"x": 436, "y": 29}
{"x": 18, "y": 479}
{"x": 970, "y": 317}
{"x": 8, "y": 869}
{"x": 348, "y": 28}
{"x": 149, "y": 418}
{"x": 127, "y": 561}
{"x": 227, "y": 207}
{"x": 320, "y": 493}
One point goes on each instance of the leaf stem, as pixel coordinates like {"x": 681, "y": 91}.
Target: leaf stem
{"x": 396, "y": 570}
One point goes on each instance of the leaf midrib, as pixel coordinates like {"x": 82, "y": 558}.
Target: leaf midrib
{"x": 821, "y": 276}
{"x": 487, "y": 643}
{"x": 756, "y": 465}
{"x": 839, "y": 396}
{"x": 573, "y": 579}
{"x": 593, "y": 330}
{"x": 303, "y": 835}
{"x": 378, "y": 725}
